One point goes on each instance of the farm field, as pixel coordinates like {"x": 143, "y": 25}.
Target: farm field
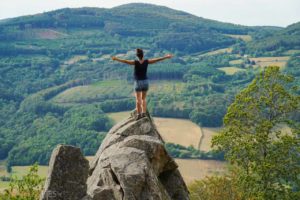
{"x": 197, "y": 56}
{"x": 179, "y": 131}
{"x": 231, "y": 70}
{"x": 95, "y": 92}
{"x": 246, "y": 38}
{"x": 20, "y": 171}
{"x": 219, "y": 51}
{"x": 192, "y": 170}
{"x": 208, "y": 133}
{"x": 112, "y": 89}
{"x": 75, "y": 59}
{"x": 236, "y": 62}
{"x": 291, "y": 52}
{"x": 165, "y": 87}
{"x": 271, "y": 61}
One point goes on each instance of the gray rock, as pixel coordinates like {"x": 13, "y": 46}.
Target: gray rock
{"x": 67, "y": 174}
{"x": 132, "y": 164}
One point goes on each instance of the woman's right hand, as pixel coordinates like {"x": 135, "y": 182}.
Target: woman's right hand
{"x": 114, "y": 58}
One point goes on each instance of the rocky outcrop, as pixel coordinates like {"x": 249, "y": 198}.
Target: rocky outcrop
{"x": 132, "y": 164}
{"x": 67, "y": 174}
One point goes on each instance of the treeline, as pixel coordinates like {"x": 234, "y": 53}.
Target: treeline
{"x": 179, "y": 151}
{"x": 271, "y": 43}
{"x": 34, "y": 137}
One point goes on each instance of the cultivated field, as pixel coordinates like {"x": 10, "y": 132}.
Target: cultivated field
{"x": 95, "y": 92}
{"x": 219, "y": 51}
{"x": 165, "y": 87}
{"x": 20, "y": 171}
{"x": 230, "y": 70}
{"x": 236, "y": 62}
{"x": 208, "y": 133}
{"x": 246, "y": 38}
{"x": 179, "y": 131}
{"x": 291, "y": 52}
{"x": 112, "y": 89}
{"x": 271, "y": 61}
{"x": 198, "y": 169}
{"x": 75, "y": 59}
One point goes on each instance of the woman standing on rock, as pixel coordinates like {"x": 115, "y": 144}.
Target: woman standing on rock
{"x": 141, "y": 84}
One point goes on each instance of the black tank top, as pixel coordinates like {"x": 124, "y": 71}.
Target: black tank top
{"x": 140, "y": 70}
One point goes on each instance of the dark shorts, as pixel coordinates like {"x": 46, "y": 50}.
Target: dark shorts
{"x": 141, "y": 85}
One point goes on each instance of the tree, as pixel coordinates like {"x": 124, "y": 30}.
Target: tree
{"x": 254, "y": 141}
{"x": 215, "y": 188}
{"x": 28, "y": 187}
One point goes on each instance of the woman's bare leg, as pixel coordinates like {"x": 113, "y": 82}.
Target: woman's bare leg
{"x": 144, "y": 102}
{"x": 138, "y": 102}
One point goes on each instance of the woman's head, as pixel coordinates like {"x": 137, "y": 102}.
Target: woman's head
{"x": 139, "y": 53}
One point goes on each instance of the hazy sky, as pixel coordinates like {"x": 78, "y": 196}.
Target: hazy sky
{"x": 246, "y": 12}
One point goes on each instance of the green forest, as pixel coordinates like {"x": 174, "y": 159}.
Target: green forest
{"x": 57, "y": 81}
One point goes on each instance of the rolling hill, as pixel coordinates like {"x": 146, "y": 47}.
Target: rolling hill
{"x": 57, "y": 81}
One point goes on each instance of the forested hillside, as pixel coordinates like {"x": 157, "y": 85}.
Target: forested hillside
{"x": 57, "y": 80}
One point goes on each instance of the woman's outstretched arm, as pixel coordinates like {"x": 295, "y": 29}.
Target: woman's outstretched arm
{"x": 154, "y": 60}
{"x": 129, "y": 62}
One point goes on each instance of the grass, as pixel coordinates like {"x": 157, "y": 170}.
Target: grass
{"x": 230, "y": 70}
{"x": 271, "y": 61}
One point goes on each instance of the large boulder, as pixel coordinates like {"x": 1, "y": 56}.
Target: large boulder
{"x": 132, "y": 163}
{"x": 67, "y": 174}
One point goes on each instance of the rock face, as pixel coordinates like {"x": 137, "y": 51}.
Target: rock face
{"x": 67, "y": 174}
{"x": 132, "y": 164}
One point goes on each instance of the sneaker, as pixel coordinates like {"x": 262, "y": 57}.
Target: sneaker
{"x": 138, "y": 116}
